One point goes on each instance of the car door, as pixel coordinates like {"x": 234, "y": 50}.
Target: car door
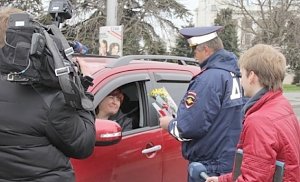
{"x": 174, "y": 165}
{"x": 98, "y": 167}
{"x": 137, "y": 157}
{"x": 139, "y": 152}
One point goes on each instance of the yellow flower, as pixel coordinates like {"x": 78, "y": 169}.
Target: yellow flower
{"x": 159, "y": 91}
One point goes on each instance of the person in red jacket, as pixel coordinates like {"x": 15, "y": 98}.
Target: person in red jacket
{"x": 270, "y": 127}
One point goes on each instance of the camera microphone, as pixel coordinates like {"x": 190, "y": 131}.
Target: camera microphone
{"x": 78, "y": 47}
{"x": 197, "y": 171}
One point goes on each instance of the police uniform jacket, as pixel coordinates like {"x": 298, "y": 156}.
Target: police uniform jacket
{"x": 39, "y": 133}
{"x": 209, "y": 116}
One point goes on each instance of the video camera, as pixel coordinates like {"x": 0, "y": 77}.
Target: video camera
{"x": 60, "y": 10}
{"x": 39, "y": 54}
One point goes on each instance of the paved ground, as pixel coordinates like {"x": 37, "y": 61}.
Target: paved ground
{"x": 294, "y": 98}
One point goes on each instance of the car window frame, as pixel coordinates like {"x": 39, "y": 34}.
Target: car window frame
{"x": 116, "y": 81}
{"x": 159, "y": 77}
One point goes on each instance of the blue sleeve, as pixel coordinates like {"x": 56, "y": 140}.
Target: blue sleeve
{"x": 199, "y": 108}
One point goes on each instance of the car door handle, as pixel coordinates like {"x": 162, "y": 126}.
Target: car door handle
{"x": 152, "y": 149}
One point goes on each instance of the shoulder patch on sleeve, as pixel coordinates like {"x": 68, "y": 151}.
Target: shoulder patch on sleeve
{"x": 190, "y": 99}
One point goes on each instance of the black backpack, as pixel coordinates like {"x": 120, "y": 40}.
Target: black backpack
{"x": 17, "y": 63}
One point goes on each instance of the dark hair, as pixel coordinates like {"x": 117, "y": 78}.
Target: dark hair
{"x": 112, "y": 45}
{"x": 104, "y": 41}
{"x": 118, "y": 93}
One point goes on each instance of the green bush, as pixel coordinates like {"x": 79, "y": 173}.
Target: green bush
{"x": 291, "y": 88}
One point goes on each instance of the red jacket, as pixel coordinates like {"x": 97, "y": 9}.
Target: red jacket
{"x": 271, "y": 132}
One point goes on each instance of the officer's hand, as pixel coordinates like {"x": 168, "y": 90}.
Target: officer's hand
{"x": 164, "y": 121}
{"x": 212, "y": 179}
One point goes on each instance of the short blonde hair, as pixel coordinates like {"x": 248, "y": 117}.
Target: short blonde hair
{"x": 5, "y": 12}
{"x": 267, "y": 63}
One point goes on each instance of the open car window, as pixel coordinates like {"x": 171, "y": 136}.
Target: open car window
{"x": 133, "y": 112}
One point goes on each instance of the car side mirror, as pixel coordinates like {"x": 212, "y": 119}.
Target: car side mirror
{"x": 107, "y": 132}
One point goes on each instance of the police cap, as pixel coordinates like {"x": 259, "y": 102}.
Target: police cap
{"x": 199, "y": 35}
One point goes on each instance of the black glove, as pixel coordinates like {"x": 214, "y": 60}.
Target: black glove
{"x": 86, "y": 81}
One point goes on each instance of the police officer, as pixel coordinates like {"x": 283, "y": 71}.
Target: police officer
{"x": 209, "y": 117}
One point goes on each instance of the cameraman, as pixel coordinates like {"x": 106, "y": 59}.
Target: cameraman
{"x": 39, "y": 132}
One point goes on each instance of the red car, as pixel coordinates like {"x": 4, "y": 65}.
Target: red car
{"x": 146, "y": 153}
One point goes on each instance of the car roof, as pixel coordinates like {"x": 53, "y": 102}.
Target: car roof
{"x": 98, "y": 64}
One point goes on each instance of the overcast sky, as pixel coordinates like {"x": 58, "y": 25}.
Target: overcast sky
{"x": 190, "y": 4}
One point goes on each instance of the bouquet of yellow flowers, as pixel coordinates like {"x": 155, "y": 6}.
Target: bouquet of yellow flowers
{"x": 164, "y": 105}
